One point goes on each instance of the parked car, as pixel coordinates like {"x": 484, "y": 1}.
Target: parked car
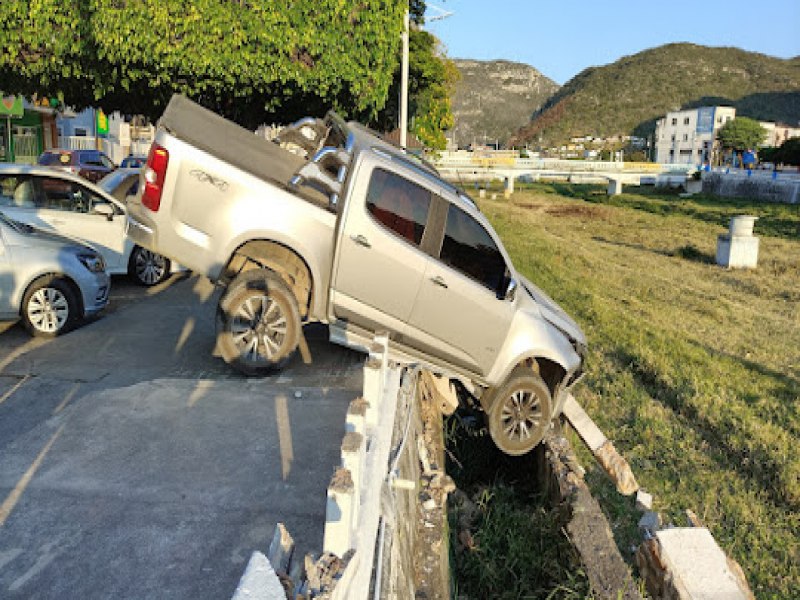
{"x": 361, "y": 236}
{"x": 65, "y": 203}
{"x": 122, "y": 183}
{"x": 49, "y": 281}
{"x": 89, "y": 164}
{"x": 135, "y": 162}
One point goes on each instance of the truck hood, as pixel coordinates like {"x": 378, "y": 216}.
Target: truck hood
{"x": 553, "y": 313}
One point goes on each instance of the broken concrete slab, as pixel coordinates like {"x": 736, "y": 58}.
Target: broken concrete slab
{"x": 686, "y": 563}
{"x": 259, "y": 582}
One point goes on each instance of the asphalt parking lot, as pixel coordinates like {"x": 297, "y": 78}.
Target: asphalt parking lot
{"x": 135, "y": 464}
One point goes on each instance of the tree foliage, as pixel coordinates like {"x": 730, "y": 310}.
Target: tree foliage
{"x": 248, "y": 60}
{"x": 788, "y": 153}
{"x": 431, "y": 81}
{"x": 741, "y": 133}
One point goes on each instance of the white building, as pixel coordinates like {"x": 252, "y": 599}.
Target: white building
{"x": 778, "y": 133}
{"x": 690, "y": 136}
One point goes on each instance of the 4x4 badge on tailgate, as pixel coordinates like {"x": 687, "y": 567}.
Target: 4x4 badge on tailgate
{"x": 204, "y": 177}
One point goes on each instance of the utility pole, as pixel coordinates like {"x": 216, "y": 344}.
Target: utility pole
{"x": 404, "y": 83}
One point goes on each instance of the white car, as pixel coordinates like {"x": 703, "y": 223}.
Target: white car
{"x": 54, "y": 200}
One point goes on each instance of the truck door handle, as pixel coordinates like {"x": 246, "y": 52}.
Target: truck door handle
{"x": 361, "y": 240}
{"x": 439, "y": 281}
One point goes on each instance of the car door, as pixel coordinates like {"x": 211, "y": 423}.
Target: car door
{"x": 381, "y": 263}
{"x": 7, "y": 282}
{"x": 461, "y": 313}
{"x": 69, "y": 208}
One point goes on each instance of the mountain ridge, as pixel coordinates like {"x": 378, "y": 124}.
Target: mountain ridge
{"x": 627, "y": 96}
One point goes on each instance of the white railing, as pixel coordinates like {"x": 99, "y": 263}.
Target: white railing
{"x": 77, "y": 142}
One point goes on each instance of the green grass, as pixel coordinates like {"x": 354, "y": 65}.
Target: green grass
{"x": 517, "y": 546}
{"x": 694, "y": 370}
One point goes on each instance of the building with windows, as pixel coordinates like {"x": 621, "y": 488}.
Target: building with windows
{"x": 690, "y": 136}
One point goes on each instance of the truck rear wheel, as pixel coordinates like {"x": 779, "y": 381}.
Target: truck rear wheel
{"x": 519, "y": 412}
{"x": 258, "y": 323}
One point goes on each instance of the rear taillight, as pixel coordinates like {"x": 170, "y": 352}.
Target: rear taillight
{"x": 155, "y": 171}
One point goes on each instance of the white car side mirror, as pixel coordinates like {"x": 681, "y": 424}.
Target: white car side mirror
{"x": 104, "y": 209}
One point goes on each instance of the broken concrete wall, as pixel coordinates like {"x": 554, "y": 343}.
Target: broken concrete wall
{"x": 562, "y": 478}
{"x": 415, "y": 552}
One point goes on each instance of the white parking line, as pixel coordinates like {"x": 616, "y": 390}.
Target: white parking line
{"x": 10, "y": 392}
{"x": 11, "y": 501}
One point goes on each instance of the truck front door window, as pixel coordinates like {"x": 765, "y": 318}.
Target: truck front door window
{"x": 469, "y": 248}
{"x": 399, "y": 205}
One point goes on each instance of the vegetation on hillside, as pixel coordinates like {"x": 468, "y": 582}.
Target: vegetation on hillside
{"x": 494, "y": 98}
{"x": 628, "y": 96}
{"x": 693, "y": 370}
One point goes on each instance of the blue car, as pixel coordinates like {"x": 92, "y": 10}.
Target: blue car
{"x": 50, "y": 281}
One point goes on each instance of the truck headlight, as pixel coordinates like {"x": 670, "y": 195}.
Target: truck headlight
{"x": 93, "y": 262}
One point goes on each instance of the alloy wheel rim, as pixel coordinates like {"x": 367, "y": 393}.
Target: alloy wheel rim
{"x": 521, "y": 416}
{"x": 150, "y": 267}
{"x": 48, "y": 310}
{"x": 259, "y": 328}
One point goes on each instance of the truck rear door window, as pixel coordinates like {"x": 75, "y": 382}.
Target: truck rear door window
{"x": 398, "y": 204}
{"x": 469, "y": 248}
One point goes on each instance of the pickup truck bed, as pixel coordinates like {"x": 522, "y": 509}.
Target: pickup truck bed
{"x": 236, "y": 145}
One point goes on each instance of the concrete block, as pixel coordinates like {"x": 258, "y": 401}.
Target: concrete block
{"x": 737, "y": 251}
{"x": 699, "y": 568}
{"x": 644, "y": 501}
{"x": 650, "y": 523}
{"x": 259, "y": 582}
{"x": 694, "y": 186}
{"x": 281, "y": 549}
{"x": 614, "y": 187}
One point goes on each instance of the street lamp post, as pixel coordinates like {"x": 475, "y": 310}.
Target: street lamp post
{"x": 404, "y": 83}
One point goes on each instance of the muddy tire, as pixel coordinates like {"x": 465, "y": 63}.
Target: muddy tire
{"x": 519, "y": 412}
{"x": 258, "y": 323}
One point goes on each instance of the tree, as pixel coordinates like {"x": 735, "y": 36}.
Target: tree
{"x": 252, "y": 61}
{"x": 788, "y": 153}
{"x": 432, "y": 77}
{"x": 741, "y": 133}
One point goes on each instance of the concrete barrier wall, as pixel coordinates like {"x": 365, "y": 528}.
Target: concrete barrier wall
{"x": 761, "y": 186}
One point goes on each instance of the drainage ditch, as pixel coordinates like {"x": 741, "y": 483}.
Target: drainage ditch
{"x": 508, "y": 539}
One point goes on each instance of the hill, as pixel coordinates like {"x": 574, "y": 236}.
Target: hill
{"x": 494, "y": 98}
{"x": 626, "y": 97}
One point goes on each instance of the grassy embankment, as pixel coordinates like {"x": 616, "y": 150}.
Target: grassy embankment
{"x": 693, "y": 370}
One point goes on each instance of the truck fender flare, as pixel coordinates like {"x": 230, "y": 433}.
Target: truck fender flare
{"x": 290, "y": 266}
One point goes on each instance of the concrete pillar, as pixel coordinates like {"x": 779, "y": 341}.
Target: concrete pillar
{"x": 356, "y": 419}
{"x": 339, "y": 514}
{"x": 353, "y": 459}
{"x": 614, "y": 187}
{"x": 738, "y": 248}
{"x": 509, "y": 186}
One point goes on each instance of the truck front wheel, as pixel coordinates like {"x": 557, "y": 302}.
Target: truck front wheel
{"x": 519, "y": 412}
{"x": 258, "y": 323}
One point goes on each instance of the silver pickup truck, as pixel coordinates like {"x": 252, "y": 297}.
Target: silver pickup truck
{"x": 334, "y": 225}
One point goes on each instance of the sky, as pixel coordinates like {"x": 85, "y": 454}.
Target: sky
{"x": 562, "y": 38}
